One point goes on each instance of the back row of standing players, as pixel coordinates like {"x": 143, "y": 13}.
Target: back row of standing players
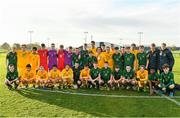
{"x": 128, "y": 56}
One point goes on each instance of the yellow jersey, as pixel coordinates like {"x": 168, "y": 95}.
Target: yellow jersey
{"x": 85, "y": 73}
{"x": 93, "y": 50}
{"x": 42, "y": 75}
{"x": 108, "y": 58}
{"x": 54, "y": 74}
{"x": 101, "y": 58}
{"x": 34, "y": 61}
{"x": 142, "y": 76}
{"x": 67, "y": 73}
{"x": 28, "y": 74}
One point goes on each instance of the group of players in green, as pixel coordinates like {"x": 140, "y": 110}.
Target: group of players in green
{"x": 106, "y": 66}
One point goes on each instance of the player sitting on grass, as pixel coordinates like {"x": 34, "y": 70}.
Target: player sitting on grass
{"x": 94, "y": 72}
{"x": 85, "y": 78}
{"x": 153, "y": 80}
{"x": 128, "y": 79}
{"x": 142, "y": 78}
{"x": 41, "y": 77}
{"x": 117, "y": 75}
{"x": 12, "y": 77}
{"x": 167, "y": 81}
{"x": 105, "y": 76}
{"x": 67, "y": 76}
{"x": 28, "y": 76}
{"x": 54, "y": 78}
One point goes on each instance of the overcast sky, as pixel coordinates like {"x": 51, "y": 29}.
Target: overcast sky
{"x": 65, "y": 21}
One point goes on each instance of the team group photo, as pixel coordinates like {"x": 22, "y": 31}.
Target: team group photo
{"x": 89, "y": 58}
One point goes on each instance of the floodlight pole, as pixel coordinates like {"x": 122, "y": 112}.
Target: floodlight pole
{"x": 140, "y": 37}
{"x": 85, "y": 39}
{"x": 30, "y": 35}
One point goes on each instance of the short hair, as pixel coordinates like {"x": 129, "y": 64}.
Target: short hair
{"x": 93, "y": 42}
{"x": 165, "y": 66}
{"x": 106, "y": 62}
{"x": 86, "y": 65}
{"x": 153, "y": 45}
{"x": 70, "y": 47}
{"x": 52, "y": 44}
{"x": 34, "y": 48}
{"x": 43, "y": 45}
{"x": 61, "y": 46}
{"x": 141, "y": 46}
{"x": 23, "y": 45}
{"x": 95, "y": 62}
{"x": 116, "y": 48}
{"x": 127, "y": 47}
{"x": 85, "y": 44}
{"x": 28, "y": 66}
{"x": 11, "y": 65}
{"x": 55, "y": 65}
{"x": 116, "y": 66}
{"x": 164, "y": 44}
{"x": 142, "y": 66}
{"x": 133, "y": 44}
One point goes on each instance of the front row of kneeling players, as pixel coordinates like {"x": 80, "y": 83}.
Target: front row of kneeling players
{"x": 94, "y": 78}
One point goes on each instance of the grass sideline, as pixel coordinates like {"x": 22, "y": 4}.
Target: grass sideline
{"x": 34, "y": 103}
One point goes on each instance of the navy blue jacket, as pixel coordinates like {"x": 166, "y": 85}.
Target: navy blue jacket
{"x": 166, "y": 57}
{"x": 153, "y": 58}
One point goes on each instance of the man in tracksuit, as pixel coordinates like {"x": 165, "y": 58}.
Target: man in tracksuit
{"x": 153, "y": 58}
{"x": 166, "y": 57}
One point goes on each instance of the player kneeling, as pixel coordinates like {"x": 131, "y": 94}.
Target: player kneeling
{"x": 153, "y": 80}
{"x": 167, "y": 83}
{"x": 54, "y": 78}
{"x": 41, "y": 77}
{"x": 28, "y": 76}
{"x": 117, "y": 75}
{"x": 67, "y": 76}
{"x": 142, "y": 78}
{"x": 12, "y": 77}
{"x": 85, "y": 78}
{"x": 128, "y": 78}
{"x": 105, "y": 76}
{"x": 95, "y": 73}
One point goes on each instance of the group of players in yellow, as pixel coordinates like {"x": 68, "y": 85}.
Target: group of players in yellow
{"x": 94, "y": 67}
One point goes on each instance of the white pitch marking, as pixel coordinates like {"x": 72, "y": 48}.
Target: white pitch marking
{"x": 103, "y": 95}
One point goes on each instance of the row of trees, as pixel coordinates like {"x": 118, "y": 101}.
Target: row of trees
{"x": 7, "y": 47}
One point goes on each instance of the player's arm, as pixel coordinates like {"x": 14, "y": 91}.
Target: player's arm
{"x": 171, "y": 81}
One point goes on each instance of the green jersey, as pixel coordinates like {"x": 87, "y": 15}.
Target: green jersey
{"x": 117, "y": 75}
{"x": 153, "y": 77}
{"x": 84, "y": 55}
{"x": 129, "y": 59}
{"x": 142, "y": 59}
{"x": 95, "y": 73}
{"x": 12, "y": 75}
{"x": 75, "y": 58}
{"x": 76, "y": 73}
{"x": 117, "y": 59}
{"x": 167, "y": 79}
{"x": 91, "y": 60}
{"x": 128, "y": 75}
{"x": 12, "y": 59}
{"x": 106, "y": 74}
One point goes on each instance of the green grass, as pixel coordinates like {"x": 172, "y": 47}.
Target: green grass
{"x": 41, "y": 103}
